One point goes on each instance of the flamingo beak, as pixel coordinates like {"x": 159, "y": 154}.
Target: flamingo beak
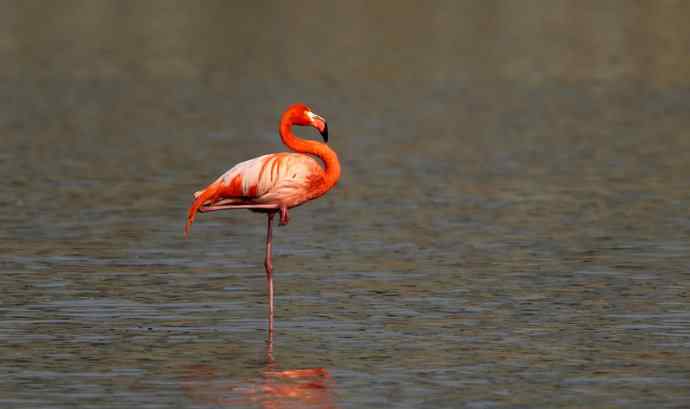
{"x": 320, "y": 124}
{"x": 324, "y": 132}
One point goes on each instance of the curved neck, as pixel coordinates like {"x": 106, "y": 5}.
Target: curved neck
{"x": 323, "y": 151}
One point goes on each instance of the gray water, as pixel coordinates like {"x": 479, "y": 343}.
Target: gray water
{"x": 511, "y": 229}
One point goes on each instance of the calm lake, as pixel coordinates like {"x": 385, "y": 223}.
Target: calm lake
{"x": 511, "y": 229}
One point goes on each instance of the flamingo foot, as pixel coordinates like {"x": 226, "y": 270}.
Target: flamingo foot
{"x": 284, "y": 219}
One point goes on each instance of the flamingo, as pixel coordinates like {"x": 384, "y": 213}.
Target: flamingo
{"x": 275, "y": 182}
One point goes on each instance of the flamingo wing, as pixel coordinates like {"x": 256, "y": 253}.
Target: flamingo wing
{"x": 280, "y": 179}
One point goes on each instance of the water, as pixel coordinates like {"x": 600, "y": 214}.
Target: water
{"x": 511, "y": 228}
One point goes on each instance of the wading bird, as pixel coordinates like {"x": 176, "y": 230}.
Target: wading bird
{"x": 275, "y": 182}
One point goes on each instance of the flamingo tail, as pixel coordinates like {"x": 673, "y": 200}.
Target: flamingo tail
{"x": 209, "y": 194}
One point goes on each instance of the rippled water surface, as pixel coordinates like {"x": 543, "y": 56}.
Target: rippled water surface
{"x": 511, "y": 228}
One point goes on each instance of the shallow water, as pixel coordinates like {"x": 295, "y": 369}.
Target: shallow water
{"x": 510, "y": 230}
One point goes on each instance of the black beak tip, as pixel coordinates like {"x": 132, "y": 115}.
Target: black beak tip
{"x": 324, "y": 133}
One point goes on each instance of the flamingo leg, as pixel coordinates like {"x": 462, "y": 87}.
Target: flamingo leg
{"x": 269, "y": 351}
{"x": 284, "y": 219}
{"x": 269, "y": 272}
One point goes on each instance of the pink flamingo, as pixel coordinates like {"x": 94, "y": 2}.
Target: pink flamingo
{"x": 275, "y": 182}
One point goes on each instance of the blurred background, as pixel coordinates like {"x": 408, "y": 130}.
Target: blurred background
{"x": 510, "y": 230}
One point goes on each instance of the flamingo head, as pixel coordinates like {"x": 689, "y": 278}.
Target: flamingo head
{"x": 302, "y": 115}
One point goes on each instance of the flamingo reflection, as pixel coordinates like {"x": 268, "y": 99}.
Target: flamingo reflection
{"x": 274, "y": 388}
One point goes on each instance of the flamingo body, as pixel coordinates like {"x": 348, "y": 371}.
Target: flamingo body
{"x": 287, "y": 179}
